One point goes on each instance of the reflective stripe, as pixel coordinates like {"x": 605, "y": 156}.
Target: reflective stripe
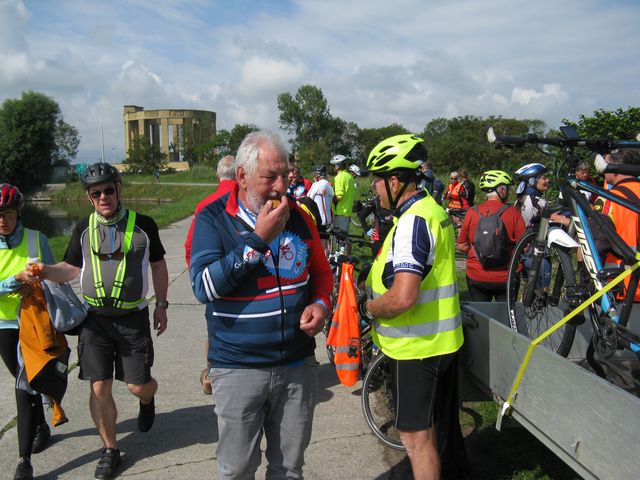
{"x": 118, "y": 281}
{"x": 33, "y": 243}
{"x": 343, "y": 349}
{"x": 246, "y": 315}
{"x": 347, "y": 366}
{"x": 438, "y": 293}
{"x": 420, "y": 329}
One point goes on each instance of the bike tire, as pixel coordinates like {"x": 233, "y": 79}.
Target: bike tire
{"x": 377, "y": 402}
{"x": 370, "y": 220}
{"x": 547, "y": 307}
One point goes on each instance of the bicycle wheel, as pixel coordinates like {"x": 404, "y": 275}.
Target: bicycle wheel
{"x": 356, "y": 221}
{"x": 550, "y": 303}
{"x": 377, "y": 402}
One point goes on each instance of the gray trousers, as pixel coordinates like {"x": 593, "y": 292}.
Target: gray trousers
{"x": 278, "y": 401}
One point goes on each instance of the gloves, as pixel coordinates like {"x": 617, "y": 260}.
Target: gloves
{"x": 370, "y": 233}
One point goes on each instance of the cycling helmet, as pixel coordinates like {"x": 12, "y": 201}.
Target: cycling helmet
{"x": 528, "y": 175}
{"x": 492, "y": 179}
{"x": 531, "y": 170}
{"x": 338, "y": 160}
{"x": 100, "y": 173}
{"x": 10, "y": 197}
{"x": 401, "y": 152}
{"x": 355, "y": 169}
{"x": 320, "y": 170}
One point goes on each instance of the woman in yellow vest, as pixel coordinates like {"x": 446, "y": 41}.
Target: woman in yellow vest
{"x": 17, "y": 246}
{"x": 415, "y": 309}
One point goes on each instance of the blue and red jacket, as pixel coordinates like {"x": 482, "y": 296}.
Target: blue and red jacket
{"x": 255, "y": 292}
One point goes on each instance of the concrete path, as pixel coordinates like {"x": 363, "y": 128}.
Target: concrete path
{"x": 182, "y": 443}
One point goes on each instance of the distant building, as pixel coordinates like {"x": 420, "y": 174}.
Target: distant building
{"x": 171, "y": 130}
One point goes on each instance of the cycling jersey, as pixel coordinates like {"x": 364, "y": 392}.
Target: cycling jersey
{"x": 345, "y": 188}
{"x": 321, "y": 192}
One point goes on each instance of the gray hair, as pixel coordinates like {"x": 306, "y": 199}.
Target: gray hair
{"x": 247, "y": 156}
{"x": 226, "y": 169}
{"x": 625, "y": 156}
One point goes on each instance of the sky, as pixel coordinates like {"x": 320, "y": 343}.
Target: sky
{"x": 376, "y": 62}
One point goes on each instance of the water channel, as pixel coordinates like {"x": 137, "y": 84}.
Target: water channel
{"x": 54, "y": 219}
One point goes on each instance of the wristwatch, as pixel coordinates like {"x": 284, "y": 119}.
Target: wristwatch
{"x": 162, "y": 304}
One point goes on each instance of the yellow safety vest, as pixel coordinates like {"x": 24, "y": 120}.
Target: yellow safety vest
{"x": 432, "y": 326}
{"x": 113, "y": 299}
{"x": 13, "y": 260}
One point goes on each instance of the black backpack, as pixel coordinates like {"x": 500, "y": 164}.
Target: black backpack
{"x": 490, "y": 240}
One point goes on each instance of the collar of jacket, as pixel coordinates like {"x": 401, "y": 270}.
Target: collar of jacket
{"x": 12, "y": 240}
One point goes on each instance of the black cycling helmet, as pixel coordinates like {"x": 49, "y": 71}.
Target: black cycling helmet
{"x": 10, "y": 197}
{"x": 100, "y": 173}
{"x": 320, "y": 170}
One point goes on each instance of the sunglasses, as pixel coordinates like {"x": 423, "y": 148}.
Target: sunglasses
{"x": 453, "y": 178}
{"x": 98, "y": 193}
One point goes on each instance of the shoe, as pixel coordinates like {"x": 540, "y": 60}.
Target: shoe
{"x": 146, "y": 416}
{"x": 41, "y": 438}
{"x": 206, "y": 383}
{"x": 24, "y": 470}
{"x": 108, "y": 464}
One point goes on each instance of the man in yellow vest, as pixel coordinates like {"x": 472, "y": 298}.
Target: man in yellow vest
{"x": 113, "y": 250}
{"x": 415, "y": 309}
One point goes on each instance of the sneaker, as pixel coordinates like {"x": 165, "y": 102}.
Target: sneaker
{"x": 41, "y": 438}
{"x": 108, "y": 464}
{"x": 146, "y": 416}
{"x": 206, "y": 383}
{"x": 24, "y": 470}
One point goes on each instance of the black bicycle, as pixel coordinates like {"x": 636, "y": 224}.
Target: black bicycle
{"x": 543, "y": 287}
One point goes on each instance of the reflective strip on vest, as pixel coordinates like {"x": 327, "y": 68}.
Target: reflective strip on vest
{"x": 118, "y": 282}
{"x": 12, "y": 262}
{"x": 432, "y": 326}
{"x": 420, "y": 330}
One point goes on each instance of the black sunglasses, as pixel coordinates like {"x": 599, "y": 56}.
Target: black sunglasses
{"x": 98, "y": 193}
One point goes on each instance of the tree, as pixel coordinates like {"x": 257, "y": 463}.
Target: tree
{"x": 27, "y": 138}
{"x": 462, "y": 142}
{"x": 617, "y": 125}
{"x": 67, "y": 141}
{"x": 144, "y": 157}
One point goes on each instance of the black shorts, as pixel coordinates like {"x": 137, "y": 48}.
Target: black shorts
{"x": 124, "y": 342}
{"x": 415, "y": 384}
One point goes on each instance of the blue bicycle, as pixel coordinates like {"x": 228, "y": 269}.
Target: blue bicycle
{"x": 548, "y": 278}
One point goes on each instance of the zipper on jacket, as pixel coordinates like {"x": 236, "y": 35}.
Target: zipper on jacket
{"x": 276, "y": 264}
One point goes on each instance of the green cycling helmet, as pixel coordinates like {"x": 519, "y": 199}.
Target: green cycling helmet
{"x": 492, "y": 179}
{"x": 401, "y": 152}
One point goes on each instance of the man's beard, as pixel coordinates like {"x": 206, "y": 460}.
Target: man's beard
{"x": 255, "y": 202}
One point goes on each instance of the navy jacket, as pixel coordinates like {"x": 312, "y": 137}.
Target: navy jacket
{"x": 255, "y": 293}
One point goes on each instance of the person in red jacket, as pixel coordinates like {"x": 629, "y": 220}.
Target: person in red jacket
{"x": 486, "y": 284}
{"x": 226, "y": 174}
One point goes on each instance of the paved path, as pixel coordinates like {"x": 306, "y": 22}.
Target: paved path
{"x": 182, "y": 443}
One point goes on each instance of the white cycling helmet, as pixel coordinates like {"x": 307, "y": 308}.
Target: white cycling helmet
{"x": 338, "y": 159}
{"x": 355, "y": 169}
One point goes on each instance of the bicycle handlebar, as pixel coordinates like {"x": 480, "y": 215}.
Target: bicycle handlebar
{"x": 599, "y": 145}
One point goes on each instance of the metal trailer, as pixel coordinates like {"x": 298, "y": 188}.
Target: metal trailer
{"x": 588, "y": 422}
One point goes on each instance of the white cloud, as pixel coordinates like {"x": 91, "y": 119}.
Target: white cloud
{"x": 406, "y": 61}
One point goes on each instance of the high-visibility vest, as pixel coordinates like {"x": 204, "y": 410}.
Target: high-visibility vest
{"x": 344, "y": 334}
{"x": 455, "y": 201}
{"x": 116, "y": 288}
{"x": 13, "y": 260}
{"x": 432, "y": 326}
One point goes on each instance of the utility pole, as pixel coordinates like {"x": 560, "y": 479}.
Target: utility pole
{"x": 102, "y": 138}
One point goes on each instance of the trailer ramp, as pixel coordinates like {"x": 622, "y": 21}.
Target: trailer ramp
{"x": 588, "y": 422}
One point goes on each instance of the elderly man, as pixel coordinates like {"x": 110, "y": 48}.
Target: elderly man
{"x": 113, "y": 249}
{"x": 258, "y": 264}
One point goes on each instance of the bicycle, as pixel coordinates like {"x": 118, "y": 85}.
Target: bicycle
{"x": 457, "y": 216}
{"x": 535, "y": 303}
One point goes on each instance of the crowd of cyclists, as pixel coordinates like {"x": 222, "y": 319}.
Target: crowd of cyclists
{"x": 413, "y": 308}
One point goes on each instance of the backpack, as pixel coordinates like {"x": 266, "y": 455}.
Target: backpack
{"x": 490, "y": 240}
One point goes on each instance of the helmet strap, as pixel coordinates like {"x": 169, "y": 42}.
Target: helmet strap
{"x": 393, "y": 202}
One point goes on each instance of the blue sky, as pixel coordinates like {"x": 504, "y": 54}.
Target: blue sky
{"x": 376, "y": 62}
